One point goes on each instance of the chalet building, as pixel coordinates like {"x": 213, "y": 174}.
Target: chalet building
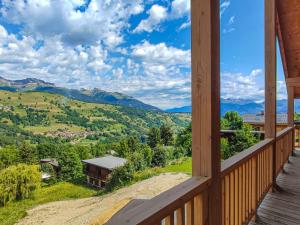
{"x": 257, "y": 121}
{"x": 259, "y": 185}
{"x": 97, "y": 169}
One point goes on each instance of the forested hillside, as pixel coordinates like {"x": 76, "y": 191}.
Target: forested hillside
{"x": 49, "y": 116}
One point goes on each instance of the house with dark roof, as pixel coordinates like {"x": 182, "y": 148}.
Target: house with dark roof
{"x": 98, "y": 169}
{"x": 257, "y": 121}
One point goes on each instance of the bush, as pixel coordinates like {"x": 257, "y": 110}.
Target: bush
{"x": 160, "y": 156}
{"x": 226, "y": 152}
{"x": 18, "y": 182}
{"x": 148, "y": 154}
{"x": 179, "y": 152}
{"x": 138, "y": 161}
{"x": 9, "y": 155}
{"x": 120, "y": 177}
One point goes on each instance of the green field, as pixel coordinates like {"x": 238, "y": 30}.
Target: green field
{"x": 61, "y": 191}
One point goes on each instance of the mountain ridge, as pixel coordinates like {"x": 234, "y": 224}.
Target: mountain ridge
{"x": 94, "y": 95}
{"x": 241, "y": 106}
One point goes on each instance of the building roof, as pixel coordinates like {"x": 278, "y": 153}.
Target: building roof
{"x": 52, "y": 162}
{"x": 259, "y": 118}
{"x": 109, "y": 162}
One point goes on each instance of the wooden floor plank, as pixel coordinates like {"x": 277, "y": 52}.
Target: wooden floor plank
{"x": 283, "y": 207}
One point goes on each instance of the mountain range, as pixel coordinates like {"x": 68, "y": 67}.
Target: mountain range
{"x": 240, "y": 106}
{"x": 114, "y": 98}
{"x": 92, "y": 96}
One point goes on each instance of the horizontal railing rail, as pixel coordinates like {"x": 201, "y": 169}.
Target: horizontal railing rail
{"x": 245, "y": 179}
{"x": 176, "y": 205}
{"x": 297, "y": 136}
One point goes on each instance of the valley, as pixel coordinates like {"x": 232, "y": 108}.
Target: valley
{"x": 54, "y": 115}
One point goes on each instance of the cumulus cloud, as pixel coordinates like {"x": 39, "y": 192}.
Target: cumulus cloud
{"x": 99, "y": 21}
{"x": 157, "y": 14}
{"x": 180, "y": 8}
{"x": 238, "y": 85}
{"x": 65, "y": 66}
{"x": 161, "y": 54}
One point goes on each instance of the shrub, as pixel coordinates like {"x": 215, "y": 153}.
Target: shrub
{"x": 9, "y": 155}
{"x": 18, "y": 182}
{"x": 138, "y": 161}
{"x": 120, "y": 177}
{"x": 226, "y": 152}
{"x": 160, "y": 156}
{"x": 148, "y": 154}
{"x": 179, "y": 152}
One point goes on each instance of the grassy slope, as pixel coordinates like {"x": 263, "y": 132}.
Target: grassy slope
{"x": 120, "y": 120}
{"x": 61, "y": 191}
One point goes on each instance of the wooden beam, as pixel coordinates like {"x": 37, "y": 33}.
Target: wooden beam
{"x": 290, "y": 106}
{"x": 281, "y": 46}
{"x": 270, "y": 80}
{"x": 206, "y": 99}
{"x": 270, "y": 69}
{"x": 293, "y": 82}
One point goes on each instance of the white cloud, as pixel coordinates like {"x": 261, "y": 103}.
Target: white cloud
{"x": 241, "y": 86}
{"x": 185, "y": 25}
{"x": 157, "y": 14}
{"x": 180, "y": 8}
{"x": 224, "y": 6}
{"x": 231, "y": 20}
{"x": 161, "y": 54}
{"x": 101, "y": 21}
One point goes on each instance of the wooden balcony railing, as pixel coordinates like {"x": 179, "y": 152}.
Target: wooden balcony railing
{"x": 186, "y": 203}
{"x": 245, "y": 178}
{"x": 297, "y": 136}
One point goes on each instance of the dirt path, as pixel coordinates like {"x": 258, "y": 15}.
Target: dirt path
{"x": 83, "y": 211}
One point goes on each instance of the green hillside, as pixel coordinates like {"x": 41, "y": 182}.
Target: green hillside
{"x": 55, "y": 116}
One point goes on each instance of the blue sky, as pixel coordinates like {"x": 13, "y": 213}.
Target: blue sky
{"x": 140, "y": 48}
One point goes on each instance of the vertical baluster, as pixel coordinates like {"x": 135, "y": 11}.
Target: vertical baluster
{"x": 227, "y": 200}
{"x": 223, "y": 201}
{"x": 180, "y": 216}
{"x": 236, "y": 197}
{"x": 244, "y": 194}
{"x": 240, "y": 193}
{"x": 189, "y": 212}
{"x": 198, "y": 210}
{"x": 232, "y": 198}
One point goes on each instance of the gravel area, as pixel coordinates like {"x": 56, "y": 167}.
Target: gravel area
{"x": 84, "y": 211}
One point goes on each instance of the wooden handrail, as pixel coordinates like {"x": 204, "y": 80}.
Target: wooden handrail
{"x": 246, "y": 178}
{"x": 230, "y": 164}
{"x": 283, "y": 132}
{"x": 153, "y": 211}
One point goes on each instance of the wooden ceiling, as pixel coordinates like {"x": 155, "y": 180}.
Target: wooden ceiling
{"x": 288, "y": 31}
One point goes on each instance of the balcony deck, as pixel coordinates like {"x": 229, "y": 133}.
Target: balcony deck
{"x": 282, "y": 207}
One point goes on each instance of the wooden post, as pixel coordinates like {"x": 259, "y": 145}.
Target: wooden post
{"x": 270, "y": 76}
{"x": 291, "y": 113}
{"x": 206, "y": 99}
